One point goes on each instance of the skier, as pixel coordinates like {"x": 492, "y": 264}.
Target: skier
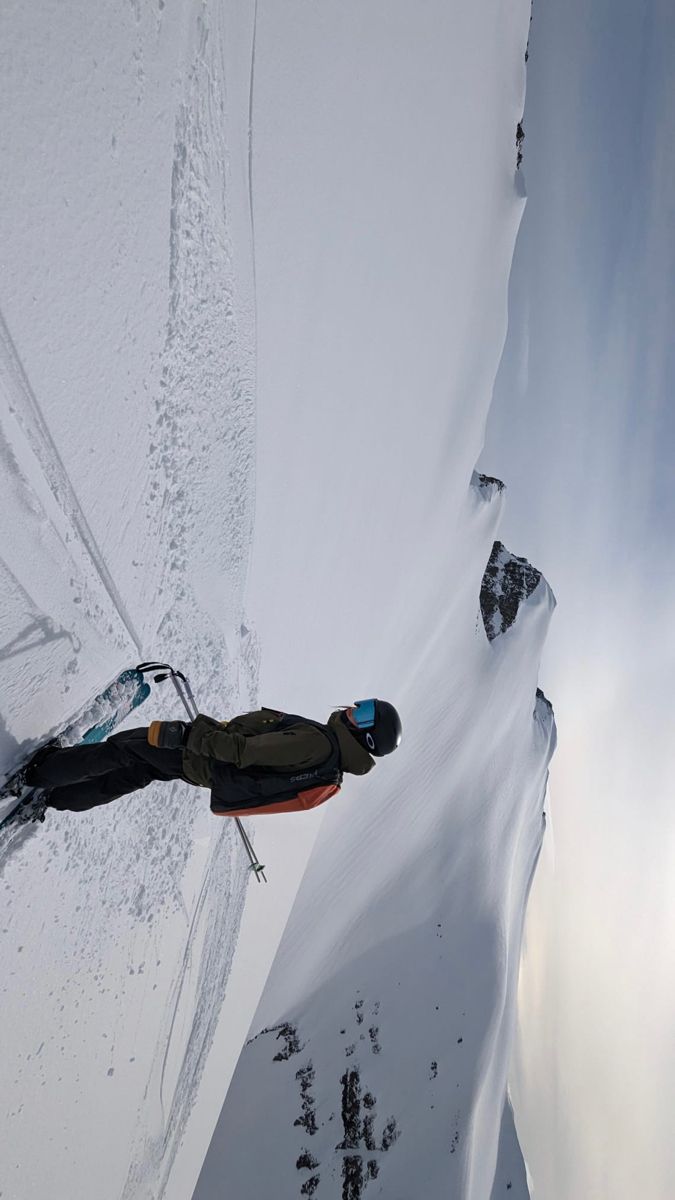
{"x": 261, "y": 762}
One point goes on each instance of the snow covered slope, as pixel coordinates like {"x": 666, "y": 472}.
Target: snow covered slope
{"x": 386, "y": 209}
{"x": 378, "y": 1057}
{"x": 362, "y": 159}
{"x": 127, "y": 486}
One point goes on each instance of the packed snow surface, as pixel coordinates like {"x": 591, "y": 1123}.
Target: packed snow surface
{"x": 345, "y": 177}
{"x": 127, "y": 439}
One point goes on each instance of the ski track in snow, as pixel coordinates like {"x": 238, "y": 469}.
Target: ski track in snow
{"x": 212, "y": 924}
{"x": 23, "y": 406}
{"x": 250, "y": 138}
{"x": 206, "y": 336}
{"x": 204, "y": 412}
{"x": 206, "y": 385}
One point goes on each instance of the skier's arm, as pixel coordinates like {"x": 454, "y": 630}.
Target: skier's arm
{"x": 301, "y": 746}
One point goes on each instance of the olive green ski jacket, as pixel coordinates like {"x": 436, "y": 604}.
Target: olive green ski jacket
{"x": 250, "y": 741}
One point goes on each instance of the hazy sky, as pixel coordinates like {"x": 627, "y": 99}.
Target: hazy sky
{"x": 583, "y": 431}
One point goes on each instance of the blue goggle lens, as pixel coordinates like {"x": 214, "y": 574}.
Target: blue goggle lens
{"x": 363, "y": 714}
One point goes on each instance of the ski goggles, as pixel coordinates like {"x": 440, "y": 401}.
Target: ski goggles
{"x": 363, "y": 714}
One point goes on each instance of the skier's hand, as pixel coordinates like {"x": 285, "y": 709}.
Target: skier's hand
{"x": 168, "y": 735}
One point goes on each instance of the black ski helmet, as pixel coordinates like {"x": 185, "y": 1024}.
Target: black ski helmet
{"x": 379, "y": 730}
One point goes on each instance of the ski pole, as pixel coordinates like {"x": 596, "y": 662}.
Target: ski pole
{"x": 185, "y": 693}
{"x": 182, "y": 686}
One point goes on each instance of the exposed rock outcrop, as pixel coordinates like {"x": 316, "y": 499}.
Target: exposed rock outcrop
{"x": 488, "y": 485}
{"x": 507, "y": 582}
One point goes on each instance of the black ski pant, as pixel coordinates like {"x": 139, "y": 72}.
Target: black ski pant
{"x": 81, "y": 777}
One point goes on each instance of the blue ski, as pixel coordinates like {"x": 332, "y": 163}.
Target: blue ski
{"x": 92, "y": 723}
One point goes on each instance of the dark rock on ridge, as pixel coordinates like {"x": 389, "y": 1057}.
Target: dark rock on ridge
{"x": 489, "y": 481}
{"x": 507, "y": 582}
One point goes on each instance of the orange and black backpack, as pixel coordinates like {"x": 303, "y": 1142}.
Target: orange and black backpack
{"x": 258, "y": 790}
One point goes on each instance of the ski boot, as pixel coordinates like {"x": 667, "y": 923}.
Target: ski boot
{"x": 37, "y": 759}
{"x": 14, "y": 785}
{"x": 33, "y": 808}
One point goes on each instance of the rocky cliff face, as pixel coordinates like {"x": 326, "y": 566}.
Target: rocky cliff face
{"x": 507, "y": 582}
